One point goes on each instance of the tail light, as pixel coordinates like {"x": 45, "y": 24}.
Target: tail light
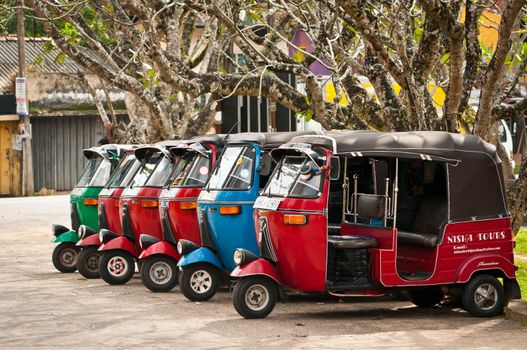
{"x": 117, "y": 203}
{"x": 295, "y": 219}
{"x": 90, "y": 201}
{"x": 149, "y": 204}
{"x": 188, "y": 205}
{"x": 229, "y": 210}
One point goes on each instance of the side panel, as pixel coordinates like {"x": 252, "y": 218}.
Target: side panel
{"x": 201, "y": 255}
{"x": 111, "y": 207}
{"x": 162, "y": 248}
{"x": 143, "y": 220}
{"x": 184, "y": 222}
{"x": 258, "y": 267}
{"x": 87, "y": 214}
{"x": 120, "y": 243}
{"x": 484, "y": 262}
{"x": 70, "y": 236}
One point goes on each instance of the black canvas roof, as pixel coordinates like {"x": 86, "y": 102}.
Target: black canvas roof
{"x": 215, "y": 139}
{"x": 162, "y": 146}
{"x": 106, "y": 151}
{"x": 268, "y": 139}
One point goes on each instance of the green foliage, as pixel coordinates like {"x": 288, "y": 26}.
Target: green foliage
{"x": 521, "y": 277}
{"x": 521, "y": 241}
{"x": 33, "y": 27}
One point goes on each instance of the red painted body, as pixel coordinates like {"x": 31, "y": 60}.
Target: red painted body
{"x": 260, "y": 267}
{"x": 301, "y": 250}
{"x": 160, "y": 248}
{"x": 120, "y": 243}
{"x": 111, "y": 206}
{"x": 92, "y": 240}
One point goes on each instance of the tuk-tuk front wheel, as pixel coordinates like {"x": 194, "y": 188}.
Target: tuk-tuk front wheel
{"x": 255, "y": 296}
{"x": 159, "y": 273}
{"x": 484, "y": 296}
{"x": 116, "y": 266}
{"x": 88, "y": 262}
{"x": 64, "y": 257}
{"x": 199, "y": 282}
{"x": 426, "y": 297}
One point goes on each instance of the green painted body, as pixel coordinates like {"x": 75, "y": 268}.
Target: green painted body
{"x": 87, "y": 214}
{"x": 70, "y": 236}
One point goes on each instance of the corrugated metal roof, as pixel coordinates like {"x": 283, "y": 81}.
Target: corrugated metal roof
{"x": 34, "y": 52}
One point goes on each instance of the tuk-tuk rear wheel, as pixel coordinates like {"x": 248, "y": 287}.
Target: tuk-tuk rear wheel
{"x": 426, "y": 297}
{"x": 159, "y": 273}
{"x": 484, "y": 296}
{"x": 255, "y": 296}
{"x": 199, "y": 282}
{"x": 64, "y": 257}
{"x": 88, "y": 262}
{"x": 116, "y": 267}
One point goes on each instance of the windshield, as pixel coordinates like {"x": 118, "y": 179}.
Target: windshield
{"x": 235, "y": 169}
{"x": 89, "y": 170}
{"x": 128, "y": 164}
{"x": 101, "y": 176}
{"x": 193, "y": 171}
{"x": 161, "y": 173}
{"x": 145, "y": 169}
{"x": 288, "y": 181}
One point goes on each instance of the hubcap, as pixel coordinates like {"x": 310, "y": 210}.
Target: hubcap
{"x": 201, "y": 281}
{"x": 257, "y": 297}
{"x": 68, "y": 257}
{"x": 117, "y": 266}
{"x": 486, "y": 296}
{"x": 92, "y": 262}
{"x": 160, "y": 272}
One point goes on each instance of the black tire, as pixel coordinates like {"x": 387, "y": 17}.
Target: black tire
{"x": 116, "y": 266}
{"x": 88, "y": 262}
{"x": 484, "y": 296}
{"x": 255, "y": 296}
{"x": 199, "y": 282}
{"x": 64, "y": 257}
{"x": 159, "y": 273}
{"x": 426, "y": 297}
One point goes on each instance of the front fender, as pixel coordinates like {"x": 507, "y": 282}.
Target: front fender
{"x": 162, "y": 248}
{"x": 482, "y": 263}
{"x": 260, "y": 267}
{"x": 200, "y": 255}
{"x": 90, "y": 240}
{"x": 70, "y": 236}
{"x": 121, "y": 243}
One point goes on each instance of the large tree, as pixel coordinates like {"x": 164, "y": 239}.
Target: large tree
{"x": 150, "y": 49}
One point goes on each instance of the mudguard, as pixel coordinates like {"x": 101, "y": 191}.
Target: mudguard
{"x": 121, "y": 243}
{"x": 260, "y": 267}
{"x": 484, "y": 262}
{"x": 162, "y": 248}
{"x": 200, "y": 255}
{"x": 70, "y": 236}
{"x": 88, "y": 241}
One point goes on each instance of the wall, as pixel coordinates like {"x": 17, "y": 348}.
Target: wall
{"x": 10, "y": 160}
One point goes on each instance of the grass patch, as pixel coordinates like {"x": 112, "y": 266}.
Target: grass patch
{"x": 521, "y": 241}
{"x": 521, "y": 277}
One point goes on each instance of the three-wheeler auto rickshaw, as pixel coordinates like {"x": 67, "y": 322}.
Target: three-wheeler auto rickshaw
{"x": 139, "y": 204}
{"x": 225, "y": 213}
{"x": 102, "y": 161}
{"x": 108, "y": 214}
{"x": 177, "y": 209}
{"x": 369, "y": 213}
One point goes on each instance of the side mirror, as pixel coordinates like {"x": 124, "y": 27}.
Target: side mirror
{"x": 334, "y": 170}
{"x": 266, "y": 163}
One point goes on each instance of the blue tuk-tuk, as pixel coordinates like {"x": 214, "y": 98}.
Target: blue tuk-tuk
{"x": 225, "y": 212}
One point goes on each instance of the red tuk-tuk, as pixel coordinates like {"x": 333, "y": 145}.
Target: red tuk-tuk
{"x": 139, "y": 213}
{"x": 108, "y": 214}
{"x": 369, "y": 213}
{"x": 159, "y": 271}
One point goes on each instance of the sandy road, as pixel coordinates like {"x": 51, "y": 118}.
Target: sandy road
{"x": 40, "y": 307}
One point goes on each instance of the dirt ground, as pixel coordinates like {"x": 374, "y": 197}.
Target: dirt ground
{"x": 42, "y": 308}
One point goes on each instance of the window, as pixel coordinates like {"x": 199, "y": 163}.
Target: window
{"x": 121, "y": 172}
{"x": 295, "y": 176}
{"x": 161, "y": 173}
{"x": 101, "y": 176}
{"x": 235, "y": 170}
{"x": 146, "y": 168}
{"x": 88, "y": 172}
{"x": 194, "y": 172}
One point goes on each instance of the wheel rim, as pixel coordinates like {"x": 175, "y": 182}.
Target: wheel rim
{"x": 117, "y": 266}
{"x": 486, "y": 296}
{"x": 68, "y": 257}
{"x": 257, "y": 297}
{"x": 92, "y": 262}
{"x": 160, "y": 272}
{"x": 201, "y": 281}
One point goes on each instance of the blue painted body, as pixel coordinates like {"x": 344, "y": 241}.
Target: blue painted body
{"x": 228, "y": 232}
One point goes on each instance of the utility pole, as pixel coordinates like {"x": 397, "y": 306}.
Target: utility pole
{"x": 25, "y": 124}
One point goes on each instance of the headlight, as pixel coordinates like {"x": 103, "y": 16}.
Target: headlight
{"x": 184, "y": 246}
{"x": 100, "y": 236}
{"x": 82, "y": 231}
{"x": 238, "y": 257}
{"x": 179, "y": 247}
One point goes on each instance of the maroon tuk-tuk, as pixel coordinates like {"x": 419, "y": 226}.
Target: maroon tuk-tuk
{"x": 368, "y": 213}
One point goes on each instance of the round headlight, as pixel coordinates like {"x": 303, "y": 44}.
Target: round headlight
{"x": 179, "y": 247}
{"x": 82, "y": 231}
{"x": 237, "y": 257}
{"x": 100, "y": 236}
